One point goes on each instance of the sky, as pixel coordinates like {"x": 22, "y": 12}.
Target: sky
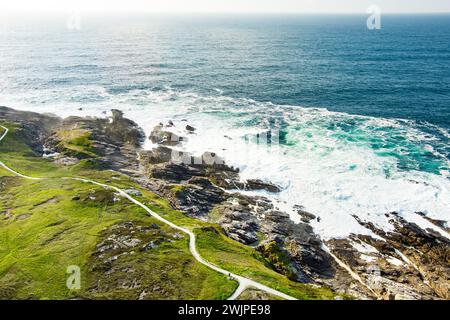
{"x": 226, "y": 6}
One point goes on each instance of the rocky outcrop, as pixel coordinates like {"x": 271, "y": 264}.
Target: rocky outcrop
{"x": 238, "y": 220}
{"x": 116, "y": 265}
{"x": 256, "y": 184}
{"x": 158, "y": 155}
{"x": 208, "y": 191}
{"x": 408, "y": 263}
{"x": 205, "y": 188}
{"x": 122, "y": 130}
{"x": 113, "y": 142}
{"x": 33, "y": 128}
{"x": 232, "y": 182}
{"x": 164, "y": 137}
{"x": 198, "y": 197}
{"x": 306, "y": 216}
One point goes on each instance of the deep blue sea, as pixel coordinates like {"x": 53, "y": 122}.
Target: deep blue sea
{"x": 363, "y": 115}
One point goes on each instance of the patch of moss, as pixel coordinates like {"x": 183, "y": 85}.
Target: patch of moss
{"x": 277, "y": 259}
{"x": 76, "y": 143}
{"x": 177, "y": 188}
{"x": 214, "y": 215}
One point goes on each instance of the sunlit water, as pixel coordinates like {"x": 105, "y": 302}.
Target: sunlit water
{"x": 362, "y": 116}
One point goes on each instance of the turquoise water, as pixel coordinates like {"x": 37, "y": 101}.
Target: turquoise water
{"x": 333, "y": 62}
{"x": 363, "y": 116}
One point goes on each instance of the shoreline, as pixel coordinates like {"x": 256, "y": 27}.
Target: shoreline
{"x": 207, "y": 192}
{"x": 256, "y": 163}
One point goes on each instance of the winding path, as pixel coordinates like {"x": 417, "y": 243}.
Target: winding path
{"x": 244, "y": 283}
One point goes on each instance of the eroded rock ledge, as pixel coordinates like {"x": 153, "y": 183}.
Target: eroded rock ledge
{"x": 409, "y": 263}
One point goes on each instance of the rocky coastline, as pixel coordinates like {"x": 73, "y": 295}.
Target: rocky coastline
{"x": 408, "y": 263}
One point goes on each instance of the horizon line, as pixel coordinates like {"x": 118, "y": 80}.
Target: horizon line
{"x": 216, "y": 12}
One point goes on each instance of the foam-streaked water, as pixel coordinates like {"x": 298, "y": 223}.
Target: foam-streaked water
{"x": 374, "y": 138}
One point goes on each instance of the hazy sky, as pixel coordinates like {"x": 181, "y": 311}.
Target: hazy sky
{"x": 306, "y": 6}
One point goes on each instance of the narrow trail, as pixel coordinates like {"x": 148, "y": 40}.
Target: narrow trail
{"x": 244, "y": 283}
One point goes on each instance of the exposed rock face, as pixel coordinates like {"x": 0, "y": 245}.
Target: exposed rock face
{"x": 163, "y": 137}
{"x": 238, "y": 220}
{"x": 158, "y": 155}
{"x": 306, "y": 216}
{"x": 204, "y": 192}
{"x": 173, "y": 172}
{"x": 232, "y": 182}
{"x": 408, "y": 263}
{"x": 256, "y": 184}
{"x": 201, "y": 192}
{"x": 124, "y": 131}
{"x": 198, "y": 197}
{"x": 115, "y": 141}
{"x": 301, "y": 243}
{"x": 33, "y": 127}
{"x": 413, "y": 263}
{"x": 46, "y": 122}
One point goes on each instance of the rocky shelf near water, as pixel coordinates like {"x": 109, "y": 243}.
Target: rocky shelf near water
{"x": 407, "y": 263}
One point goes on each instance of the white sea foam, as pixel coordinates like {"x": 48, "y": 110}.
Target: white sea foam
{"x": 327, "y": 164}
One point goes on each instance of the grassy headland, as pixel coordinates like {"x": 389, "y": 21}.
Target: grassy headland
{"x": 48, "y": 225}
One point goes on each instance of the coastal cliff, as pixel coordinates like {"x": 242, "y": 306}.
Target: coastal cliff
{"x": 117, "y": 245}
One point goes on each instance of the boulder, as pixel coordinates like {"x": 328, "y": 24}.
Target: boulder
{"x": 163, "y": 137}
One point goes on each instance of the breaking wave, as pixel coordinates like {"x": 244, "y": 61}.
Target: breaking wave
{"x": 335, "y": 165}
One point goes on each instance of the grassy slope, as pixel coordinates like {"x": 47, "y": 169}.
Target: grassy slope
{"x": 17, "y": 155}
{"x": 43, "y": 231}
{"x": 219, "y": 249}
{"x": 86, "y": 227}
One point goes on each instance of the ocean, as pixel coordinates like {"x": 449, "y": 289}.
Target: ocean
{"x": 362, "y": 116}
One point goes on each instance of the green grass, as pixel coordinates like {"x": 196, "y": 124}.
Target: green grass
{"x": 5, "y": 173}
{"x": 177, "y": 188}
{"x": 48, "y": 225}
{"x": 256, "y": 294}
{"x": 278, "y": 259}
{"x": 48, "y": 230}
{"x": 76, "y": 143}
{"x": 214, "y": 215}
{"x": 215, "y": 247}
{"x": 16, "y": 154}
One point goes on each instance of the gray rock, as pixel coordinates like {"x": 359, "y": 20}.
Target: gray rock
{"x": 256, "y": 184}
{"x": 198, "y": 197}
{"x": 133, "y": 192}
{"x": 166, "y": 138}
{"x": 306, "y": 217}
